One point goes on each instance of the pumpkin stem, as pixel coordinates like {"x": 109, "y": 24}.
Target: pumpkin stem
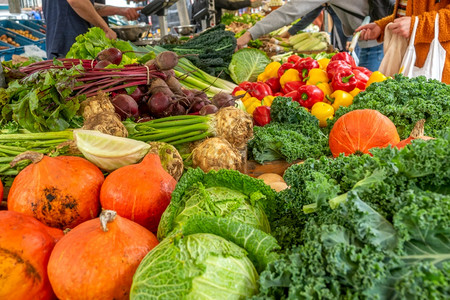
{"x": 418, "y": 130}
{"x": 107, "y": 216}
{"x": 35, "y": 157}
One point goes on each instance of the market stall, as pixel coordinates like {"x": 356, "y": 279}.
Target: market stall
{"x": 186, "y": 169}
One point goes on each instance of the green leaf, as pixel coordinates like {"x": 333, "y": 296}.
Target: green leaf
{"x": 246, "y": 64}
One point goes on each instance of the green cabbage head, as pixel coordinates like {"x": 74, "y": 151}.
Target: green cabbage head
{"x": 197, "y": 266}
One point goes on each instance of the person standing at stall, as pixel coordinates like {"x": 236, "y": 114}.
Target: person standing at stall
{"x": 66, "y": 19}
{"x": 403, "y": 23}
{"x": 350, "y": 13}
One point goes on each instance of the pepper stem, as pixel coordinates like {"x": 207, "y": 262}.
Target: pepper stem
{"x": 304, "y": 96}
{"x": 347, "y": 78}
{"x": 107, "y": 216}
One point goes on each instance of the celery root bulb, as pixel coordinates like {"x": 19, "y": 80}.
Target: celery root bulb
{"x": 234, "y": 125}
{"x": 215, "y": 154}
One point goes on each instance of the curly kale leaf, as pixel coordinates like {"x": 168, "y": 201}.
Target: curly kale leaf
{"x": 284, "y": 110}
{"x": 287, "y": 141}
{"x": 405, "y": 101}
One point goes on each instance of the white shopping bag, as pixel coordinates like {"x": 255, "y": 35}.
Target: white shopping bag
{"x": 434, "y": 63}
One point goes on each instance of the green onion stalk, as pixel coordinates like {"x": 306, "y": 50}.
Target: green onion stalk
{"x": 14, "y": 144}
{"x": 174, "y": 130}
{"x": 194, "y": 78}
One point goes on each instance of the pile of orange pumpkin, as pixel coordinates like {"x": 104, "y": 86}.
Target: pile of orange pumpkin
{"x": 97, "y": 257}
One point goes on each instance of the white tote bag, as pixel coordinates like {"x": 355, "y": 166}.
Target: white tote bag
{"x": 434, "y": 63}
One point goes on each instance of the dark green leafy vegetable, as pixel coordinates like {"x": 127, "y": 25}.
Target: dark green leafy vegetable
{"x": 292, "y": 134}
{"x": 210, "y": 51}
{"x": 386, "y": 236}
{"x": 405, "y": 101}
{"x": 40, "y": 102}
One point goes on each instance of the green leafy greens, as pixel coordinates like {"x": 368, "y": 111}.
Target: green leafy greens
{"x": 41, "y": 101}
{"x": 376, "y": 227}
{"x": 292, "y": 134}
{"x": 88, "y": 45}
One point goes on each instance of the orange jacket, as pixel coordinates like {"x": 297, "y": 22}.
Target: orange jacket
{"x": 426, "y": 11}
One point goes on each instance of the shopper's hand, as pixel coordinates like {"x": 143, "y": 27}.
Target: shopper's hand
{"x": 131, "y": 13}
{"x": 370, "y": 31}
{"x": 401, "y": 26}
{"x": 110, "y": 34}
{"x": 243, "y": 40}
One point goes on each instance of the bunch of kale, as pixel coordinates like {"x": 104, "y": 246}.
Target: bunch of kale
{"x": 292, "y": 134}
{"x": 365, "y": 227}
{"x": 405, "y": 101}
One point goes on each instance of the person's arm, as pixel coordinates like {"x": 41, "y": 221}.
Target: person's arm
{"x": 283, "y": 16}
{"x": 131, "y": 13}
{"x": 86, "y": 10}
{"x": 305, "y": 21}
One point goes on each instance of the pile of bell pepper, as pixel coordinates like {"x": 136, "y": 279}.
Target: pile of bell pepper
{"x": 321, "y": 86}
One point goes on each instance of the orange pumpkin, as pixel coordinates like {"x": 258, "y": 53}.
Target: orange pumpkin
{"x": 61, "y": 192}
{"x": 98, "y": 258}
{"x": 25, "y": 247}
{"x": 139, "y": 192}
{"x": 360, "y": 131}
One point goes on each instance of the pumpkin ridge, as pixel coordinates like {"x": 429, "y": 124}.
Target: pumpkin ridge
{"x": 343, "y": 145}
{"x": 368, "y": 141}
{"x": 347, "y": 135}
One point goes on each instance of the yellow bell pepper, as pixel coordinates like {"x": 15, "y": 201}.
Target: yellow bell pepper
{"x": 271, "y": 70}
{"x": 355, "y": 92}
{"x": 251, "y": 104}
{"x": 376, "y": 76}
{"x": 323, "y": 63}
{"x": 268, "y": 100}
{"x": 326, "y": 89}
{"x": 288, "y": 76}
{"x": 322, "y": 111}
{"x": 316, "y": 76}
{"x": 341, "y": 98}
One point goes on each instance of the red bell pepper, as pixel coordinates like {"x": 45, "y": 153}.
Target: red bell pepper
{"x": 292, "y": 86}
{"x": 344, "y": 56}
{"x": 361, "y": 78}
{"x": 304, "y": 65}
{"x": 284, "y": 67}
{"x": 295, "y": 95}
{"x": 293, "y": 58}
{"x": 236, "y": 89}
{"x": 344, "y": 80}
{"x": 309, "y": 95}
{"x": 274, "y": 84}
{"x": 334, "y": 66}
{"x": 246, "y": 85}
{"x": 260, "y": 90}
{"x": 279, "y": 94}
{"x": 261, "y": 115}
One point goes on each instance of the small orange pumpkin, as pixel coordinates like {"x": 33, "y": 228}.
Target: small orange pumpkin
{"x": 139, "y": 192}
{"x": 61, "y": 192}
{"x": 25, "y": 247}
{"x": 98, "y": 258}
{"x": 361, "y": 130}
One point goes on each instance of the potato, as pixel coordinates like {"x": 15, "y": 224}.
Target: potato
{"x": 270, "y": 177}
{"x": 278, "y": 186}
